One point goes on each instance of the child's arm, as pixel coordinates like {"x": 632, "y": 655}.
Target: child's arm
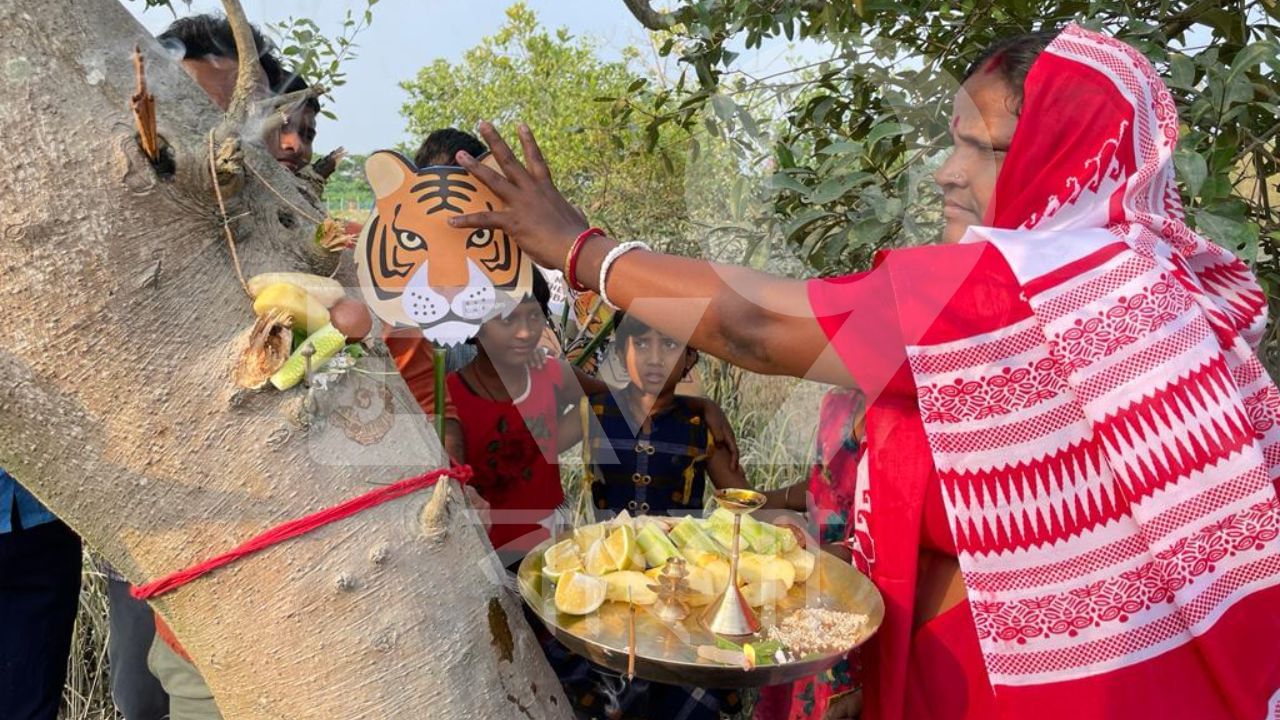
{"x": 590, "y": 384}
{"x": 724, "y": 471}
{"x": 718, "y": 423}
{"x": 569, "y": 398}
{"x": 791, "y": 497}
{"x": 725, "y": 474}
{"x": 454, "y": 444}
{"x": 569, "y": 428}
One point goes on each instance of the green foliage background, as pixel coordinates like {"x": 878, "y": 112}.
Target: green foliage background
{"x": 847, "y": 143}
{"x": 553, "y": 81}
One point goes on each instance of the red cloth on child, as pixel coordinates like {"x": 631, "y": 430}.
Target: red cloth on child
{"x": 511, "y": 447}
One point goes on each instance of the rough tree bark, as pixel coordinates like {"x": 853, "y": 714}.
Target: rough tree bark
{"x": 120, "y": 317}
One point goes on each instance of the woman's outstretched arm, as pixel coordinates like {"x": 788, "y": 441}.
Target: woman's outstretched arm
{"x": 752, "y": 319}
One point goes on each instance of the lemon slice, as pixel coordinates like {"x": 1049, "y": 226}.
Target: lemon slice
{"x": 560, "y": 557}
{"x": 622, "y": 581}
{"x": 579, "y": 594}
{"x": 598, "y": 561}
{"x": 588, "y": 534}
{"x": 621, "y": 545}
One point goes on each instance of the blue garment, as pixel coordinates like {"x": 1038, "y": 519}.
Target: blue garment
{"x": 660, "y": 471}
{"x": 30, "y": 512}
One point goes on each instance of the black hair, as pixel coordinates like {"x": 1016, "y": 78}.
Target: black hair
{"x": 295, "y": 83}
{"x": 209, "y": 35}
{"x": 626, "y": 327}
{"x": 541, "y": 293}
{"x": 441, "y": 147}
{"x": 1012, "y": 57}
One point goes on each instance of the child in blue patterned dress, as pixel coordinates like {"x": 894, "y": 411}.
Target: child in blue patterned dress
{"x": 648, "y": 451}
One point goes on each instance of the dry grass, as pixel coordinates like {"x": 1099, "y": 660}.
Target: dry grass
{"x": 87, "y": 695}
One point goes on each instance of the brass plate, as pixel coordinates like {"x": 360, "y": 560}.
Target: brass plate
{"x": 668, "y": 653}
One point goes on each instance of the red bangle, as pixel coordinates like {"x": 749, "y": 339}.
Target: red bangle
{"x": 571, "y": 260}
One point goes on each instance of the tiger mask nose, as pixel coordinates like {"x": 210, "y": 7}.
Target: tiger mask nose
{"x": 449, "y": 292}
{"x": 448, "y": 276}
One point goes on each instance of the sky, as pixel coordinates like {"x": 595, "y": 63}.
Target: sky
{"x": 408, "y": 34}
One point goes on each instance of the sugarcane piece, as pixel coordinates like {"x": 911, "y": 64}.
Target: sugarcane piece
{"x": 721, "y": 533}
{"x": 787, "y": 541}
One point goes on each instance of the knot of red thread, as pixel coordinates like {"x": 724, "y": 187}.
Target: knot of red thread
{"x": 294, "y": 528}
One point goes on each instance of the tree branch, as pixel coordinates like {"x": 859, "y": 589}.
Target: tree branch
{"x": 249, "y": 76}
{"x": 648, "y": 17}
{"x": 144, "y": 109}
{"x": 652, "y": 19}
{"x": 285, "y": 103}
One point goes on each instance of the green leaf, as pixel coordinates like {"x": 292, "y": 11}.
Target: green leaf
{"x": 884, "y": 130}
{"x": 1182, "y": 71}
{"x": 724, "y": 107}
{"x": 1192, "y": 168}
{"x": 1251, "y": 56}
{"x": 803, "y": 218}
{"x": 1239, "y": 237}
{"x": 726, "y": 644}
{"x": 844, "y": 147}
{"x": 833, "y": 188}
{"x": 784, "y": 181}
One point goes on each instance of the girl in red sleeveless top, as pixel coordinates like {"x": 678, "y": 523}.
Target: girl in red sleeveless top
{"x": 510, "y": 411}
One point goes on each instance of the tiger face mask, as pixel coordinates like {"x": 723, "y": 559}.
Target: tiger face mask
{"x": 417, "y": 271}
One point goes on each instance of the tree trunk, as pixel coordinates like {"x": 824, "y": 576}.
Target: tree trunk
{"x": 121, "y": 316}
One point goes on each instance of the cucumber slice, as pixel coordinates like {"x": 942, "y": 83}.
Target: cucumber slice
{"x": 327, "y": 341}
{"x": 655, "y": 545}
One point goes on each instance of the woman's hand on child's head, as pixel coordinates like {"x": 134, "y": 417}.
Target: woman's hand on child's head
{"x": 537, "y": 216}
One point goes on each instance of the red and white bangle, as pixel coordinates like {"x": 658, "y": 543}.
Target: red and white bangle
{"x": 571, "y": 259}
{"x": 617, "y": 252}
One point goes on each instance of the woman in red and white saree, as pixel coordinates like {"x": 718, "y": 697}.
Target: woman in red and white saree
{"x": 1066, "y": 403}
